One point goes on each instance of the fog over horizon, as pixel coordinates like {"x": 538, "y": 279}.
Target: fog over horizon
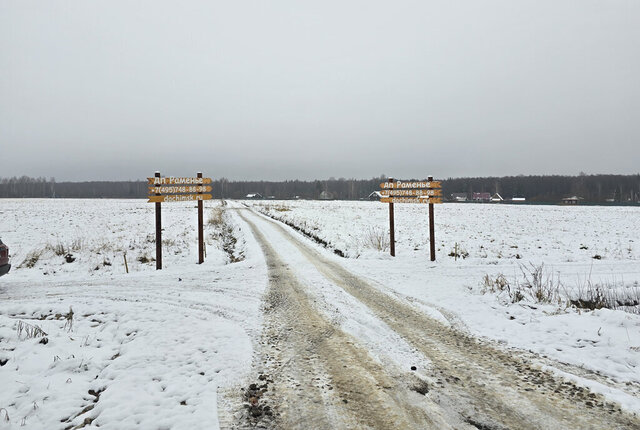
{"x": 248, "y": 90}
{"x": 320, "y": 179}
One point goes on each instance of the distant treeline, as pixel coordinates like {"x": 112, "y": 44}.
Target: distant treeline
{"x": 550, "y": 189}
{"x": 541, "y": 189}
{"x": 27, "y": 187}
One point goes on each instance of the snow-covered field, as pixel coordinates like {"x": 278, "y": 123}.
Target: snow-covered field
{"x": 490, "y": 233}
{"x": 508, "y": 240}
{"x": 151, "y": 349}
{"x": 147, "y": 349}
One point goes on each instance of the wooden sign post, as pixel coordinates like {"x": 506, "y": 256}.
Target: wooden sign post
{"x": 173, "y": 189}
{"x": 392, "y": 228}
{"x": 200, "y": 229}
{"x": 432, "y": 230}
{"x": 428, "y": 192}
{"x": 158, "y": 229}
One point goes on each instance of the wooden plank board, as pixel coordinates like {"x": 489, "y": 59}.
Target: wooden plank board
{"x": 180, "y": 189}
{"x": 179, "y": 198}
{"x": 414, "y": 193}
{"x": 411, "y": 200}
{"x": 172, "y": 180}
{"x": 409, "y": 185}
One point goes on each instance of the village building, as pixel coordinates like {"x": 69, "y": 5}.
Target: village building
{"x": 374, "y": 196}
{"x": 496, "y": 198}
{"x": 573, "y": 200}
{"x": 254, "y": 196}
{"x": 481, "y": 197}
{"x": 459, "y": 197}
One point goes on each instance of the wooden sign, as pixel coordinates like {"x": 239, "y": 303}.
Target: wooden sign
{"x": 432, "y": 192}
{"x": 160, "y": 194}
{"x": 409, "y": 185}
{"x": 172, "y": 180}
{"x": 179, "y": 198}
{"x": 411, "y": 200}
{"x": 428, "y": 192}
{"x": 178, "y": 189}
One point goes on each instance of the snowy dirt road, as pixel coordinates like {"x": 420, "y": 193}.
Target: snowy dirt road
{"x": 322, "y": 364}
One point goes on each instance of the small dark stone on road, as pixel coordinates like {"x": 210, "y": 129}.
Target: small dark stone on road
{"x": 253, "y": 387}
{"x": 413, "y": 367}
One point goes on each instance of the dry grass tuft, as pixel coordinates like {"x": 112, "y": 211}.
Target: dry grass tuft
{"x": 376, "y": 238}
{"x": 215, "y": 218}
{"x": 30, "y": 330}
{"x": 31, "y": 259}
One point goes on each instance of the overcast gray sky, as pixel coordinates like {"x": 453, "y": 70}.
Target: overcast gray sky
{"x": 311, "y": 89}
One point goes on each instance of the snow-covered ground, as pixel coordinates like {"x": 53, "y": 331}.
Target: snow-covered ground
{"x": 147, "y": 349}
{"x": 150, "y": 349}
{"x": 490, "y": 233}
{"x": 501, "y": 240}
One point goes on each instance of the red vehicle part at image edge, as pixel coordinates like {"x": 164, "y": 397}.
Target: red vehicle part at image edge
{"x": 4, "y": 259}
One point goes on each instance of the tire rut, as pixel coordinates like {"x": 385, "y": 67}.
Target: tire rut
{"x": 318, "y": 376}
{"x": 487, "y": 387}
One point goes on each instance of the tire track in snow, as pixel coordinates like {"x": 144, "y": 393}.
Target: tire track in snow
{"x": 322, "y": 378}
{"x": 487, "y": 387}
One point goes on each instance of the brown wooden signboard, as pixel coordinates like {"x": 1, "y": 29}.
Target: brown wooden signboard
{"x": 179, "y": 198}
{"x": 172, "y": 180}
{"x": 180, "y": 189}
{"x": 411, "y": 200}
{"x": 411, "y": 193}
{"x": 427, "y": 192}
{"x": 409, "y": 185}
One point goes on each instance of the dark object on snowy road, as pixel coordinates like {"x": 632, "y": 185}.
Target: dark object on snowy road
{"x": 4, "y": 259}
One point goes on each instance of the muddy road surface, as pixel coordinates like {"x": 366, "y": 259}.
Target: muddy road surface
{"x": 309, "y": 373}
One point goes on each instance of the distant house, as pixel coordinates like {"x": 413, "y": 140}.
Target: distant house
{"x": 459, "y": 197}
{"x": 496, "y": 198}
{"x": 518, "y": 199}
{"x": 573, "y": 200}
{"x": 481, "y": 197}
{"x": 325, "y": 195}
{"x": 254, "y": 196}
{"x": 375, "y": 196}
